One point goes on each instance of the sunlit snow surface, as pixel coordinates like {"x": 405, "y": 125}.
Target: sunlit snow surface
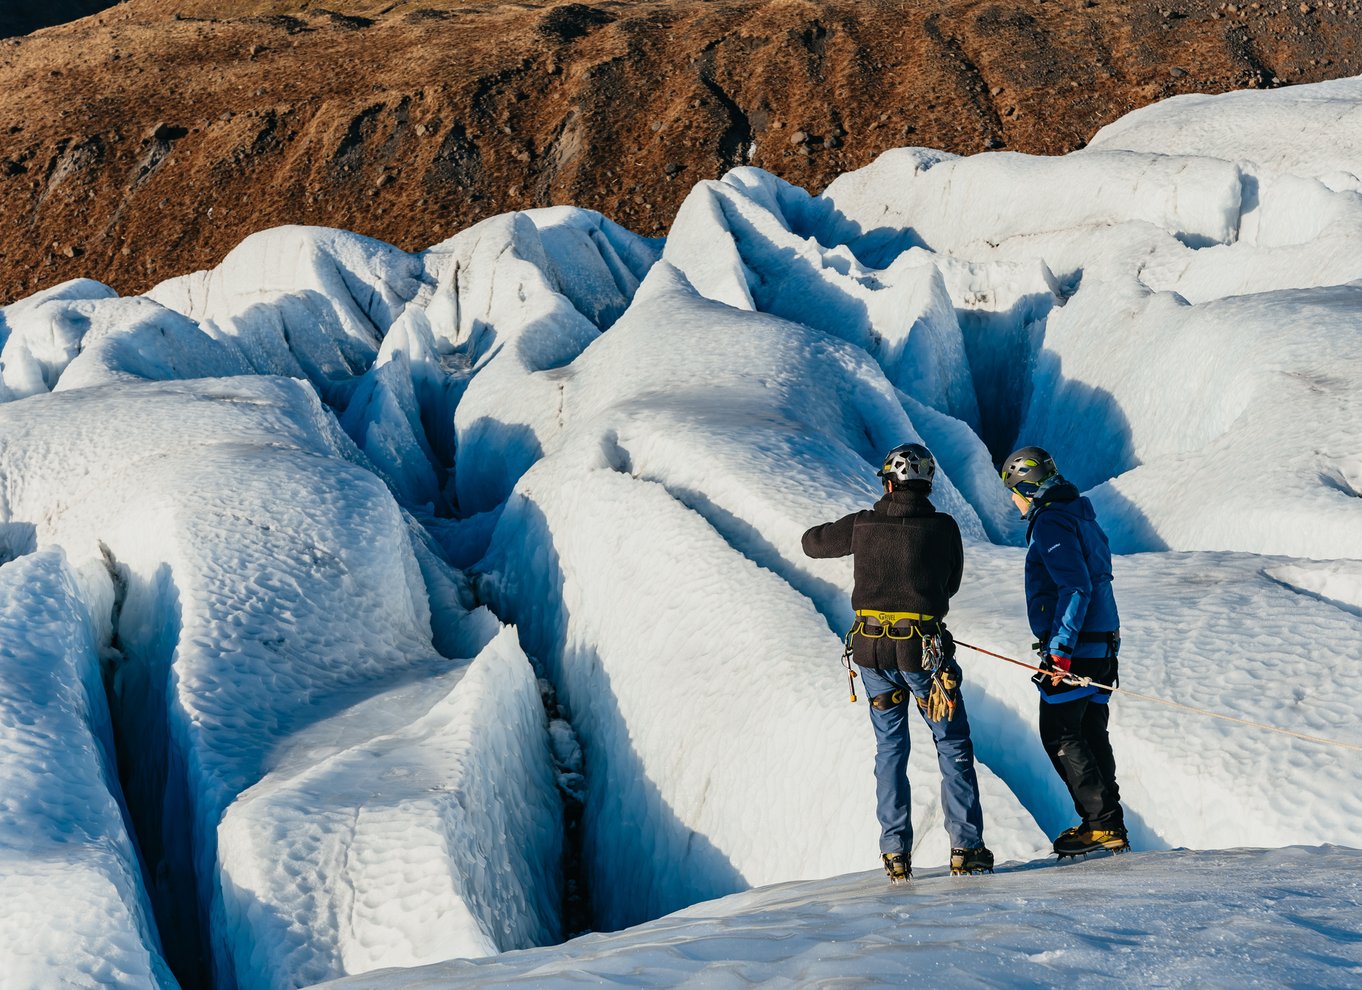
{"x": 1238, "y": 918}
{"x": 316, "y": 520}
{"x": 71, "y": 892}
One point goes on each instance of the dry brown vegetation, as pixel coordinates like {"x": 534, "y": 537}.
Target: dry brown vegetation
{"x": 149, "y": 139}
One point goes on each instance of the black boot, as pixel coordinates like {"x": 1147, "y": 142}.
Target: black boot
{"x": 976, "y": 860}
{"x": 1081, "y": 840}
{"x": 897, "y": 866}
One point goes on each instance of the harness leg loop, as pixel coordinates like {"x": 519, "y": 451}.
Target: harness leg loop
{"x": 889, "y": 700}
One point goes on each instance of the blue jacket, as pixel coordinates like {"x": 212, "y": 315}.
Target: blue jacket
{"x": 1068, "y": 573}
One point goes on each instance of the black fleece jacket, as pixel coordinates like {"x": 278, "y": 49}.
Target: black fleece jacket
{"x": 908, "y": 558}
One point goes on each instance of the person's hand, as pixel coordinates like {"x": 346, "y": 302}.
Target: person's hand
{"x": 1062, "y": 663}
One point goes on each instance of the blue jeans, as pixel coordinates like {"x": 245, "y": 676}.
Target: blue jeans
{"x": 954, "y": 755}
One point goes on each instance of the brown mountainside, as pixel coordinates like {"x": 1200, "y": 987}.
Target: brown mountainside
{"x": 149, "y": 139}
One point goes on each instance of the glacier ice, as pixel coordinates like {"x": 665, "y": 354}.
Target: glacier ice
{"x": 259, "y": 476}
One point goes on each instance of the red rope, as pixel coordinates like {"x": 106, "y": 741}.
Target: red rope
{"x": 1084, "y": 682}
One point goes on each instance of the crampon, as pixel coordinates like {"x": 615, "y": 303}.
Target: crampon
{"x": 1082, "y": 840}
{"x": 975, "y": 860}
{"x": 897, "y": 866}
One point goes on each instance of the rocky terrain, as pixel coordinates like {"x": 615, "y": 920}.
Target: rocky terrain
{"x": 148, "y": 139}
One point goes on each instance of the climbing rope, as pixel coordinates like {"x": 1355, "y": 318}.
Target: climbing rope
{"x": 1088, "y": 682}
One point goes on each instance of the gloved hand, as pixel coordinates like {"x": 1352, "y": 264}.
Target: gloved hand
{"x": 950, "y": 675}
{"x": 1060, "y": 664}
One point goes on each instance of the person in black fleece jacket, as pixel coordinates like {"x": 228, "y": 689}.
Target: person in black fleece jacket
{"x": 907, "y": 561}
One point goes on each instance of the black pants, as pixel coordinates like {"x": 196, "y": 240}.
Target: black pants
{"x": 1074, "y": 734}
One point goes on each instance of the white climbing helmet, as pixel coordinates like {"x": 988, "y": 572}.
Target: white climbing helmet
{"x": 908, "y": 462}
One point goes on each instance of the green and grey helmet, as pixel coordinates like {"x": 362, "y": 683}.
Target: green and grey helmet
{"x": 1027, "y": 469}
{"x": 908, "y": 462}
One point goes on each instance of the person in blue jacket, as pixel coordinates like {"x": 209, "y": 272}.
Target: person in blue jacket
{"x": 1072, "y": 611}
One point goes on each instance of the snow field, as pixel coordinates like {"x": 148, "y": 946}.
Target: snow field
{"x": 267, "y": 583}
{"x": 434, "y": 841}
{"x": 326, "y": 780}
{"x": 1217, "y": 631}
{"x": 627, "y": 559}
{"x": 1202, "y": 407}
{"x": 1279, "y": 917}
{"x": 505, "y": 305}
{"x": 73, "y": 908}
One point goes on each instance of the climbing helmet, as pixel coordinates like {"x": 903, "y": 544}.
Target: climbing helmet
{"x": 1027, "y": 469}
{"x": 908, "y": 462}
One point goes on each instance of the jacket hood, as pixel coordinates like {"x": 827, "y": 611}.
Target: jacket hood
{"x": 1055, "y": 489}
{"x": 1059, "y": 496}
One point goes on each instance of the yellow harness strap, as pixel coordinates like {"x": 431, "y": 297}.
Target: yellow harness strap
{"x": 889, "y": 618}
{"x": 886, "y": 622}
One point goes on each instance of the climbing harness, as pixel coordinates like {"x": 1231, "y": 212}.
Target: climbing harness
{"x": 944, "y": 694}
{"x": 1076, "y": 681}
{"x": 889, "y": 700}
{"x": 875, "y": 624}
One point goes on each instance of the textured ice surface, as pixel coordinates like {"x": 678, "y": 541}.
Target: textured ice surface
{"x": 1232, "y": 633}
{"x": 649, "y": 557}
{"x": 1173, "y": 311}
{"x": 429, "y": 842}
{"x": 1229, "y": 424}
{"x": 506, "y": 305}
{"x": 361, "y": 283}
{"x": 1313, "y": 131}
{"x": 1280, "y": 917}
{"x": 1165, "y": 323}
{"x": 903, "y": 316}
{"x": 73, "y": 908}
{"x": 269, "y": 583}
{"x": 390, "y": 406}
{"x": 961, "y": 205}
{"x": 41, "y": 334}
{"x": 78, "y": 334}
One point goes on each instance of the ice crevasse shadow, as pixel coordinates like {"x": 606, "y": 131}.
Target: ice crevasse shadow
{"x": 641, "y": 859}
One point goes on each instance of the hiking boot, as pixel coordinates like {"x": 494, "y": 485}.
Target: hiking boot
{"x": 1067, "y": 835}
{"x": 976, "y": 860}
{"x": 897, "y": 866}
{"x": 1082, "y": 839}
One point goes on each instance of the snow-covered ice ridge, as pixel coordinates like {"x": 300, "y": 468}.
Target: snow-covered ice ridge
{"x": 286, "y": 545}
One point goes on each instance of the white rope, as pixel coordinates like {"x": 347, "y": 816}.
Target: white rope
{"x": 1089, "y": 682}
